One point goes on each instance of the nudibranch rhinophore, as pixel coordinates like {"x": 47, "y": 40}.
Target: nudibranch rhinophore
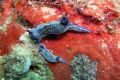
{"x": 53, "y": 27}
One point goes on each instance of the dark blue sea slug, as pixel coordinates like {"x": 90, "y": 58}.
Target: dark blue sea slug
{"x": 54, "y": 27}
{"x": 48, "y": 56}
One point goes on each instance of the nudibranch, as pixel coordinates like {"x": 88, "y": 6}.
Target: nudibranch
{"x": 53, "y": 27}
{"x": 48, "y": 56}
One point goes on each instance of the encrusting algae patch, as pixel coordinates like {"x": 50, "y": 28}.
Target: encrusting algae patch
{"x": 24, "y": 63}
{"x": 83, "y": 68}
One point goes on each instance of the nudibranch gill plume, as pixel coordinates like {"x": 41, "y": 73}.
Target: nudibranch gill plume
{"x": 53, "y": 27}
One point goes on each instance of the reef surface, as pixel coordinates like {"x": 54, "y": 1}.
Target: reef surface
{"x": 24, "y": 63}
{"x": 101, "y": 16}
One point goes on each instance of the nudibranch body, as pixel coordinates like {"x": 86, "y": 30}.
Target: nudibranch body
{"x": 54, "y": 27}
{"x": 48, "y": 56}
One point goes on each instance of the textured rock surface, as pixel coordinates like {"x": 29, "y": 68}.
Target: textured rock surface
{"x": 83, "y": 68}
{"x": 17, "y": 63}
{"x": 100, "y": 16}
{"x": 24, "y": 63}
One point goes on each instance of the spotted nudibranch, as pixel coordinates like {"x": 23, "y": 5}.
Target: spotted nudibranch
{"x": 53, "y": 27}
{"x": 48, "y": 56}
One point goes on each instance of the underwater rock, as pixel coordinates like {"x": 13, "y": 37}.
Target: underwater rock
{"x": 83, "y": 68}
{"x": 38, "y": 71}
{"x": 108, "y": 68}
{"x": 17, "y": 63}
{"x": 24, "y": 63}
{"x": 31, "y": 75}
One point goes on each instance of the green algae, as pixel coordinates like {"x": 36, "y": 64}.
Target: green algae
{"x": 1, "y": 68}
{"x": 1, "y": 1}
{"x": 83, "y": 68}
{"x": 9, "y": 20}
{"x": 16, "y": 2}
{"x": 35, "y": 76}
{"x": 3, "y": 27}
{"x": 24, "y": 63}
{"x": 22, "y": 21}
{"x": 17, "y": 62}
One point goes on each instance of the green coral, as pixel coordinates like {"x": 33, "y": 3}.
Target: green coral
{"x": 24, "y": 63}
{"x": 83, "y": 68}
